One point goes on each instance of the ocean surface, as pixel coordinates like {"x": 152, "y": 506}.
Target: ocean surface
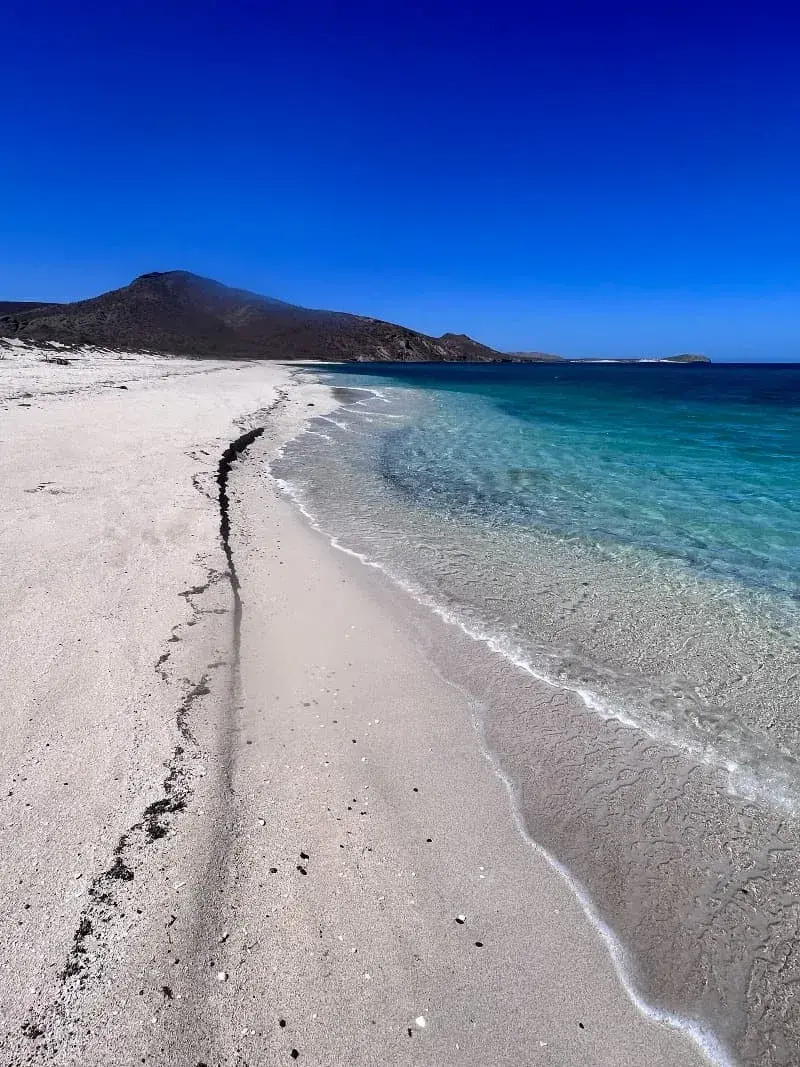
{"x": 629, "y": 537}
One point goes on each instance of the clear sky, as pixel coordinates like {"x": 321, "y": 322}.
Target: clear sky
{"x": 590, "y": 179}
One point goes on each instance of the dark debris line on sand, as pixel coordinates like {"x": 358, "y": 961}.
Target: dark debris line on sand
{"x": 47, "y": 1028}
{"x": 111, "y": 889}
{"x": 229, "y": 457}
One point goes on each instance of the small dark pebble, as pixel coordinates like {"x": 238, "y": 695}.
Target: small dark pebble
{"x": 581, "y": 1026}
{"x": 165, "y": 989}
{"x": 303, "y": 855}
{"x": 281, "y": 1023}
{"x": 459, "y": 920}
{"x": 415, "y": 790}
{"x": 273, "y": 870}
{"x": 295, "y": 1053}
{"x": 479, "y": 944}
{"x": 302, "y": 870}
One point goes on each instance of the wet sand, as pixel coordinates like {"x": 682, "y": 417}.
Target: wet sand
{"x": 277, "y": 845}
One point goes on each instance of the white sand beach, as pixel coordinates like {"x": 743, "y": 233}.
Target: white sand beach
{"x": 299, "y": 853}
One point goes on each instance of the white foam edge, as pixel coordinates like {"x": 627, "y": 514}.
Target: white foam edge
{"x": 742, "y": 782}
{"x": 705, "y": 1040}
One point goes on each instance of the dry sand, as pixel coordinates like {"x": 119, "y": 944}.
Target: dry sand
{"x": 206, "y": 863}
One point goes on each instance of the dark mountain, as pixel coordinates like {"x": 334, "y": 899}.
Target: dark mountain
{"x": 11, "y": 307}
{"x": 181, "y": 313}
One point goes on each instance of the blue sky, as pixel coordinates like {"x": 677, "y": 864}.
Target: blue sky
{"x": 589, "y": 179}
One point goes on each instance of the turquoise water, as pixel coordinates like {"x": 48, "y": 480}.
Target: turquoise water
{"x": 620, "y": 546}
{"x": 701, "y": 464}
{"x": 629, "y": 532}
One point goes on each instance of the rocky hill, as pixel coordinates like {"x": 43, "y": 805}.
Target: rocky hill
{"x": 13, "y": 307}
{"x": 183, "y": 314}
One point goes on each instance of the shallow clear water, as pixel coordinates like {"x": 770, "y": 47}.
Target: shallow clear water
{"x": 630, "y": 535}
{"x": 631, "y": 531}
{"x": 701, "y": 464}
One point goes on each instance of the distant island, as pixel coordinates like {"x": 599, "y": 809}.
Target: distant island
{"x": 536, "y": 357}
{"x": 180, "y": 313}
{"x": 548, "y": 357}
{"x": 683, "y": 357}
{"x": 687, "y": 357}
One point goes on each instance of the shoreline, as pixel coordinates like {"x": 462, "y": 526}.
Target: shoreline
{"x": 391, "y": 591}
{"x": 437, "y": 720}
{"x": 692, "y": 874}
{"x": 201, "y": 952}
